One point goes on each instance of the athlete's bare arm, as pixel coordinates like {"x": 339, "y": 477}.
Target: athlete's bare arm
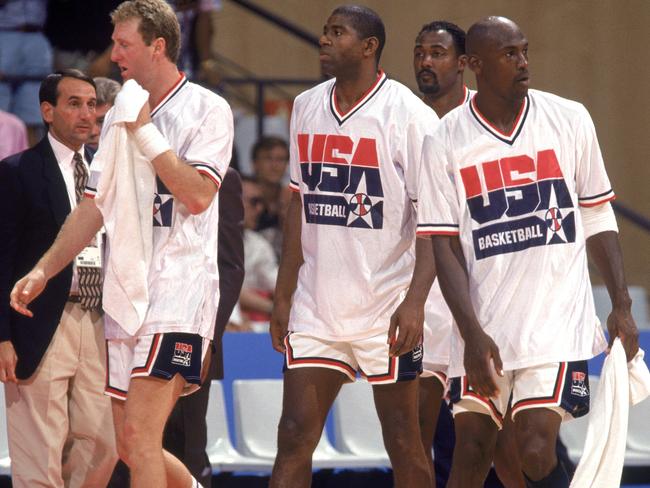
{"x": 479, "y": 347}
{"x": 290, "y": 263}
{"x": 604, "y": 251}
{"x": 78, "y": 230}
{"x": 408, "y": 319}
{"x": 188, "y": 186}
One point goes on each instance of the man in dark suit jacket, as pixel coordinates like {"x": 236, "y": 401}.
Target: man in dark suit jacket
{"x": 53, "y": 364}
{"x": 186, "y": 430}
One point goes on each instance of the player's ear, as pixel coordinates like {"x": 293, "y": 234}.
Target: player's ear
{"x": 47, "y": 112}
{"x": 462, "y": 62}
{"x": 371, "y": 44}
{"x": 474, "y": 63}
{"x": 159, "y": 46}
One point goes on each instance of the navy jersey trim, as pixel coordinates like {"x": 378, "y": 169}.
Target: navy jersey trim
{"x": 341, "y": 118}
{"x": 593, "y": 197}
{"x": 182, "y": 81}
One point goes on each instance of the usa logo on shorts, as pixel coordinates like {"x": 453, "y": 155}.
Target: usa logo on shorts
{"x": 578, "y": 386}
{"x": 182, "y": 354}
{"x": 417, "y": 353}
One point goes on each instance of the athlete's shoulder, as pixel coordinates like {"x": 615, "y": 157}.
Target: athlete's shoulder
{"x": 457, "y": 115}
{"x": 206, "y": 98}
{"x": 401, "y": 93}
{"x": 550, "y": 101}
{"x": 406, "y": 105}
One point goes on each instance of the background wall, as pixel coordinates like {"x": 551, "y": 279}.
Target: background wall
{"x": 593, "y": 51}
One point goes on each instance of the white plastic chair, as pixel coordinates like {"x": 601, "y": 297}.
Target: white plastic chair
{"x": 357, "y": 426}
{"x": 636, "y": 458}
{"x": 574, "y": 432}
{"x": 638, "y": 435}
{"x": 223, "y": 456}
{"x": 258, "y": 406}
{"x": 640, "y": 309}
{"x": 639, "y": 298}
{"x": 5, "y": 460}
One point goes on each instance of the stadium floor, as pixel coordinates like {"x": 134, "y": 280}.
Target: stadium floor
{"x": 374, "y": 479}
{"x": 632, "y": 478}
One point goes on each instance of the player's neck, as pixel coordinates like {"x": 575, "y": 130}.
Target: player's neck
{"x": 500, "y": 112}
{"x": 444, "y": 103}
{"x": 350, "y": 89}
{"x": 161, "y": 84}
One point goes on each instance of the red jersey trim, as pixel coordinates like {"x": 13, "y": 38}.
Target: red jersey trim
{"x": 170, "y": 93}
{"x": 510, "y": 137}
{"x": 342, "y": 117}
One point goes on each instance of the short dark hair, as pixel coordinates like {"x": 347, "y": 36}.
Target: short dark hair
{"x": 366, "y": 22}
{"x": 49, "y": 90}
{"x": 267, "y": 143}
{"x": 456, "y": 33}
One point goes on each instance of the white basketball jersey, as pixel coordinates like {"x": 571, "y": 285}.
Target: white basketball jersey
{"x": 357, "y": 177}
{"x": 438, "y": 320}
{"x": 183, "y": 278}
{"x": 513, "y": 200}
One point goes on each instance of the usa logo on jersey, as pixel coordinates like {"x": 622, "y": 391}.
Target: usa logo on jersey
{"x": 343, "y": 181}
{"x": 163, "y": 205}
{"x": 519, "y": 202}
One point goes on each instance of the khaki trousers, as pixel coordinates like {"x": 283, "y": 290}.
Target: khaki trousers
{"x": 59, "y": 422}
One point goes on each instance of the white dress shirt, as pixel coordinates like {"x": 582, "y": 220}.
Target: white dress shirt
{"x": 64, "y": 155}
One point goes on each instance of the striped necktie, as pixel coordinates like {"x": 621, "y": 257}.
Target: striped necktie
{"x": 90, "y": 279}
{"x": 80, "y": 176}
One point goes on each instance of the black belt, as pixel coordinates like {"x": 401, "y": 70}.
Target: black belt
{"x": 74, "y": 298}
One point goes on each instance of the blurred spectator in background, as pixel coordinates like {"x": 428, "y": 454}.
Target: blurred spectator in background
{"x": 80, "y": 33}
{"x": 25, "y": 59}
{"x": 270, "y": 161}
{"x": 270, "y": 156}
{"x": 260, "y": 263}
{"x": 107, "y": 90}
{"x": 198, "y": 31}
{"x": 13, "y": 134}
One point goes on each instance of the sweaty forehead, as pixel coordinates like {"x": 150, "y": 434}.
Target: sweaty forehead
{"x": 126, "y": 28}
{"x": 509, "y": 37}
{"x": 340, "y": 20}
{"x": 435, "y": 38}
{"x": 72, "y": 87}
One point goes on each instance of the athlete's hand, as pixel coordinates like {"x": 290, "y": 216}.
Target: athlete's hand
{"x": 621, "y": 324}
{"x": 481, "y": 356}
{"x": 8, "y": 360}
{"x": 144, "y": 117}
{"x": 279, "y": 324}
{"x": 405, "y": 331}
{"x": 26, "y": 290}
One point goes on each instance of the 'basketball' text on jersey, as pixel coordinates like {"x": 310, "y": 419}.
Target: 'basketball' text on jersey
{"x": 515, "y": 187}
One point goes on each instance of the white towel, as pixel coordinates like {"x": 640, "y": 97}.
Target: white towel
{"x": 639, "y": 378}
{"x": 621, "y": 383}
{"x": 125, "y": 194}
